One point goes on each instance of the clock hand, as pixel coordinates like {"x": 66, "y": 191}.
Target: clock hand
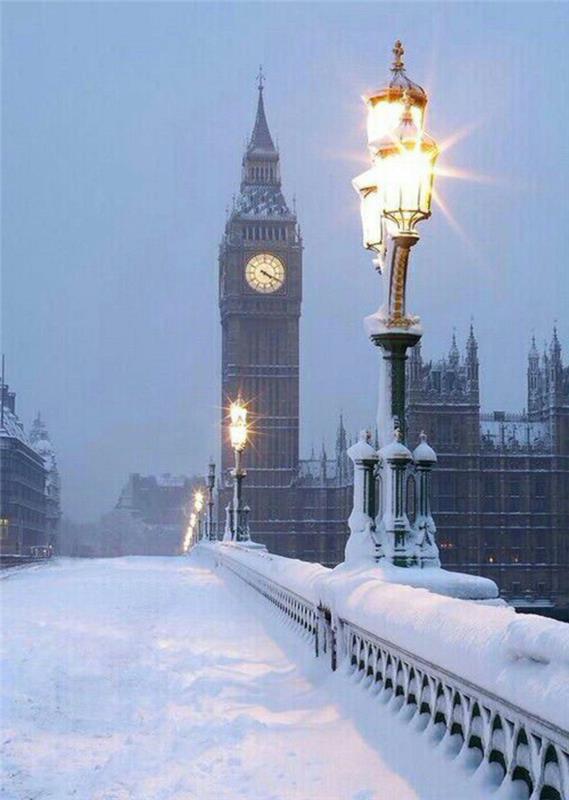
{"x": 268, "y": 274}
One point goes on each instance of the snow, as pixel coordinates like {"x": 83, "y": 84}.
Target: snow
{"x": 13, "y": 428}
{"x": 490, "y": 646}
{"x": 265, "y": 202}
{"x": 161, "y": 679}
{"x": 524, "y": 659}
{"x": 512, "y": 432}
{"x": 171, "y": 480}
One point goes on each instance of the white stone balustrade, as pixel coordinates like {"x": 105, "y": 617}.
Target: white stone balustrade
{"x": 512, "y": 741}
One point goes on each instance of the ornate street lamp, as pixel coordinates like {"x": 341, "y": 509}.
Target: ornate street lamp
{"x": 396, "y": 194}
{"x": 238, "y": 434}
{"x": 211, "y": 535}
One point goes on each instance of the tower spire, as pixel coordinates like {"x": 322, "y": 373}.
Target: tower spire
{"x": 261, "y": 139}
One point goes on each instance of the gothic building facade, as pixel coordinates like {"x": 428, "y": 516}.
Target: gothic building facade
{"x": 23, "y": 473}
{"x": 297, "y": 507}
{"x": 42, "y": 444}
{"x": 501, "y": 486}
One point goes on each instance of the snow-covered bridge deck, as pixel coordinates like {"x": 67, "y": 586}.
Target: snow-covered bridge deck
{"x": 160, "y": 679}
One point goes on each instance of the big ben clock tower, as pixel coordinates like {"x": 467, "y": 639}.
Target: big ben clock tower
{"x": 260, "y": 290}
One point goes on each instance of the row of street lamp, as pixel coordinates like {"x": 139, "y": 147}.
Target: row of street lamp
{"x": 396, "y": 194}
{"x": 202, "y": 527}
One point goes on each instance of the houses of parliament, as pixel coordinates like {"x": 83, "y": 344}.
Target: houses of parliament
{"x": 501, "y": 487}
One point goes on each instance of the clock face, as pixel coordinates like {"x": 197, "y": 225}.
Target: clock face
{"x": 265, "y": 273}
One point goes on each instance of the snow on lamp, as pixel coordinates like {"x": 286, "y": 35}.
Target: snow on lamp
{"x": 371, "y": 210}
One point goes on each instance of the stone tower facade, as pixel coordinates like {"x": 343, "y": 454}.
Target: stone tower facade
{"x": 260, "y": 293}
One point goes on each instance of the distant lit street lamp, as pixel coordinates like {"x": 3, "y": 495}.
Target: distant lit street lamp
{"x": 198, "y": 506}
{"x": 210, "y": 533}
{"x": 238, "y": 434}
{"x": 396, "y": 194}
{"x": 189, "y": 539}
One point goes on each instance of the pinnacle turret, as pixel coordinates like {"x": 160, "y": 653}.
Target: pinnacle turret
{"x": 533, "y": 355}
{"x": 471, "y": 343}
{"x": 454, "y": 355}
{"x": 555, "y": 346}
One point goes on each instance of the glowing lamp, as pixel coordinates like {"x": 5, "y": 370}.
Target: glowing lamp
{"x": 238, "y": 426}
{"x": 371, "y": 209}
{"x": 198, "y": 501}
{"x": 406, "y": 166}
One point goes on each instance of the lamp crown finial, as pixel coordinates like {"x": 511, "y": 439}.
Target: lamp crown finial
{"x": 407, "y": 116}
{"x": 398, "y": 52}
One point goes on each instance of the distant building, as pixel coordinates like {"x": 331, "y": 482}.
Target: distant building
{"x": 501, "y": 486}
{"x": 150, "y": 517}
{"x": 23, "y": 475}
{"x": 40, "y": 441}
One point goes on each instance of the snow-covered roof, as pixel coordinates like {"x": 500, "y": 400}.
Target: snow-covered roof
{"x": 513, "y": 432}
{"x": 171, "y": 480}
{"x": 13, "y": 428}
{"x": 257, "y": 200}
{"x": 311, "y": 469}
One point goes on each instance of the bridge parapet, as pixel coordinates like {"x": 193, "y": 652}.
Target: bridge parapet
{"x": 494, "y": 683}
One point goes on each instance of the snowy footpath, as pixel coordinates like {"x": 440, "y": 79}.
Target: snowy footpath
{"x": 160, "y": 679}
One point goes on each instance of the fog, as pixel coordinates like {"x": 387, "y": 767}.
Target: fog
{"x": 123, "y": 131}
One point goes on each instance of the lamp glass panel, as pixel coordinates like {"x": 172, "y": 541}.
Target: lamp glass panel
{"x": 384, "y": 117}
{"x": 238, "y": 436}
{"x": 372, "y": 214}
{"x": 407, "y": 177}
{"x": 238, "y": 427}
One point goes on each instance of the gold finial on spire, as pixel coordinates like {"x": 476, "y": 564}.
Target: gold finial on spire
{"x": 398, "y": 52}
{"x": 260, "y": 78}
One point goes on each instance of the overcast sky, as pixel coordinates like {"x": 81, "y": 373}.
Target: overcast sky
{"x": 123, "y": 131}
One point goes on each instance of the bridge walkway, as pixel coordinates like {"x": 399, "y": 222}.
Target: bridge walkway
{"x": 159, "y": 678}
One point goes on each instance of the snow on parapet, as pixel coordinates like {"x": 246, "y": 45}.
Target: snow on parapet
{"x": 524, "y": 659}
